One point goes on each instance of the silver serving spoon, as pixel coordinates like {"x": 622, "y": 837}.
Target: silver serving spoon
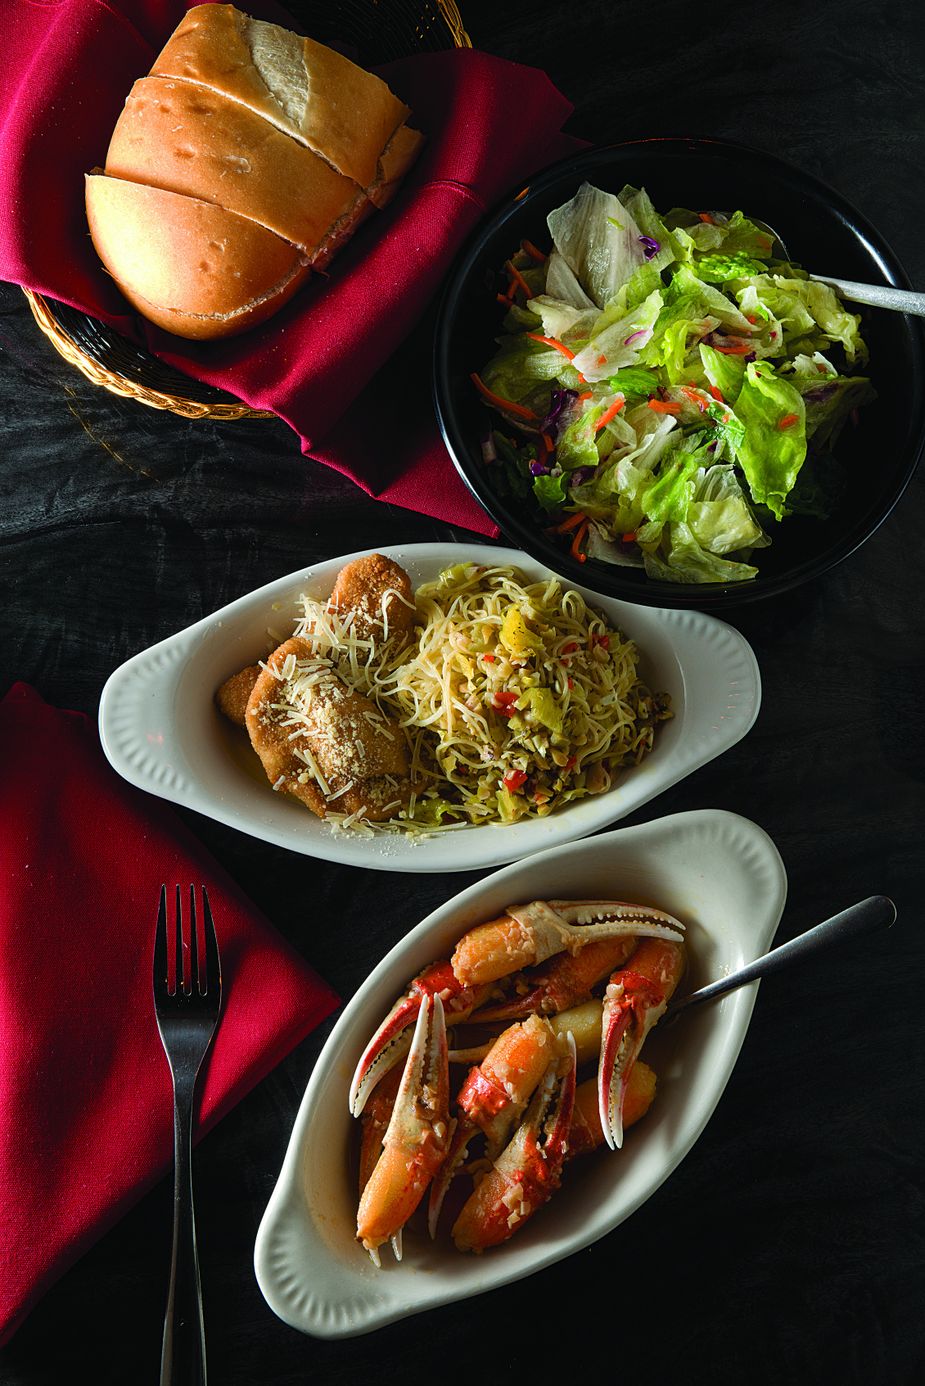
{"x": 876, "y": 912}
{"x": 873, "y": 295}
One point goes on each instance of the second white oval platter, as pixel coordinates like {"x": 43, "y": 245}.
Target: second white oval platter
{"x": 717, "y": 872}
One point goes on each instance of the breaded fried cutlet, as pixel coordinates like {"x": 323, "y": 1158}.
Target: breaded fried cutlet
{"x": 379, "y": 594}
{"x": 361, "y": 758}
{"x": 232, "y": 697}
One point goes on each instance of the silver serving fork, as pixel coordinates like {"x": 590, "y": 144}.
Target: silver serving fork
{"x": 187, "y": 1001}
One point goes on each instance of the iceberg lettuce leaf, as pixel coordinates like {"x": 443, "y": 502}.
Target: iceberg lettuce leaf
{"x": 599, "y": 241}
{"x": 774, "y": 446}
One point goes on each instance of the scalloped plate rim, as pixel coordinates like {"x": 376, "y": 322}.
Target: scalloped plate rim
{"x": 709, "y": 730}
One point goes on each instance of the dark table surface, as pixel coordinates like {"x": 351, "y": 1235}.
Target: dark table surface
{"x": 790, "y": 1243}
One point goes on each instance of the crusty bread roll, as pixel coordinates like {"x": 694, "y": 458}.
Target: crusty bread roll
{"x": 190, "y": 267}
{"x": 245, "y": 159}
{"x": 312, "y": 93}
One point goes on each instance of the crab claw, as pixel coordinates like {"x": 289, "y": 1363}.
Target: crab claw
{"x": 529, "y": 934}
{"x": 635, "y": 1000}
{"x": 415, "y": 1143}
{"x": 391, "y": 1042}
{"x": 564, "y": 981}
{"x": 529, "y": 1170}
{"x": 493, "y": 1097}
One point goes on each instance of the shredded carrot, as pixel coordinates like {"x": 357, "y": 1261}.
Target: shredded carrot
{"x": 532, "y": 251}
{"x": 552, "y": 342}
{"x": 630, "y": 537}
{"x": 705, "y": 216}
{"x": 716, "y": 393}
{"x": 503, "y": 298}
{"x": 789, "y": 420}
{"x": 665, "y": 406}
{"x": 577, "y": 541}
{"x": 602, "y": 360}
{"x": 694, "y": 398}
{"x": 518, "y": 278}
{"x": 609, "y": 414}
{"x": 508, "y": 405}
{"x": 740, "y": 349}
{"x": 578, "y": 518}
{"x": 586, "y": 395}
{"x": 548, "y": 444}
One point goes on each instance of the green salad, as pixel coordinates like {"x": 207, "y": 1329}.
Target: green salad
{"x": 669, "y": 390}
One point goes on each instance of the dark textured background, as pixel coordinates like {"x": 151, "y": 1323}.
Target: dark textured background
{"x": 790, "y": 1244}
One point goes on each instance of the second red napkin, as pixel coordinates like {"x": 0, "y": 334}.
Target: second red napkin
{"x": 86, "y": 1112}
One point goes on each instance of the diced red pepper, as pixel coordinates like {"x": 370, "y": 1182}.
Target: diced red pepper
{"x": 514, "y": 780}
{"x": 629, "y": 537}
{"x": 570, "y": 763}
{"x": 489, "y": 659}
{"x": 570, "y": 648}
{"x": 504, "y": 701}
{"x": 601, "y": 640}
{"x": 570, "y": 681}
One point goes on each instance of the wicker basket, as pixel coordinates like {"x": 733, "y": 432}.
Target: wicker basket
{"x": 372, "y": 31}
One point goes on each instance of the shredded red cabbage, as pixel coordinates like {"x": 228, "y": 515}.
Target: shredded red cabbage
{"x": 634, "y": 336}
{"x": 650, "y": 246}
{"x": 820, "y": 394}
{"x": 559, "y": 401}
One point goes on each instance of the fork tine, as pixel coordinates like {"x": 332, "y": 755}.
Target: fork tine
{"x": 213, "y": 971}
{"x": 192, "y": 945}
{"x": 181, "y": 981}
{"x": 160, "y": 945}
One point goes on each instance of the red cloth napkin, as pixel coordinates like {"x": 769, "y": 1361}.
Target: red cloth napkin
{"x": 489, "y": 124}
{"x": 86, "y": 1114}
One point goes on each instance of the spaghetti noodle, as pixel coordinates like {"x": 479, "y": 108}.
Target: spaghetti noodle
{"x": 514, "y": 698}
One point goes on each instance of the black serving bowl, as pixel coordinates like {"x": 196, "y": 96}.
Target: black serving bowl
{"x": 820, "y": 230}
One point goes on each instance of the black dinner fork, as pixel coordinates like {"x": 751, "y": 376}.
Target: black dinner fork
{"x": 187, "y": 1001}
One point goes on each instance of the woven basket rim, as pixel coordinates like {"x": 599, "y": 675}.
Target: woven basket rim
{"x": 120, "y": 384}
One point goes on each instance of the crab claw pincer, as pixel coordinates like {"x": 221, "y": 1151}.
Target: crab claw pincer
{"x": 529, "y": 934}
{"x": 417, "y": 1137}
{"x": 391, "y": 1042}
{"x": 635, "y": 1000}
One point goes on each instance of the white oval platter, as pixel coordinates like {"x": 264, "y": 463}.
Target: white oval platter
{"x": 162, "y": 732}
{"x": 719, "y": 873}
